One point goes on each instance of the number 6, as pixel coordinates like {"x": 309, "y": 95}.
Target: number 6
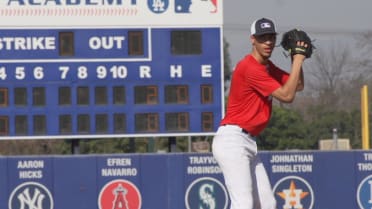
{"x": 38, "y": 73}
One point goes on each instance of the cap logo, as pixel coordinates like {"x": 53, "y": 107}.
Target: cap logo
{"x": 262, "y": 26}
{"x": 265, "y": 25}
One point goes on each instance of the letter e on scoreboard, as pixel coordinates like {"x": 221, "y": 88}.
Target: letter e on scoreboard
{"x": 206, "y": 71}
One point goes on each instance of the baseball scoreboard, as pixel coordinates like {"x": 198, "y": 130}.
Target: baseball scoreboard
{"x": 110, "y": 68}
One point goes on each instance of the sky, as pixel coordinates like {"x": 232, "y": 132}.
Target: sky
{"x": 326, "y": 21}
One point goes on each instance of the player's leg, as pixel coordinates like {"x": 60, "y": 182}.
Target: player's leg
{"x": 263, "y": 195}
{"x": 233, "y": 151}
{"x": 236, "y": 171}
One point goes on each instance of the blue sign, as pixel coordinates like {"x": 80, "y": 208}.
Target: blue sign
{"x": 308, "y": 180}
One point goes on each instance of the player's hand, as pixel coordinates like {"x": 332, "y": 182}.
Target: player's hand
{"x": 302, "y": 45}
{"x": 297, "y": 42}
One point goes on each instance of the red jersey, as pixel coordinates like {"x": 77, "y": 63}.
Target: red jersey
{"x": 250, "y": 101}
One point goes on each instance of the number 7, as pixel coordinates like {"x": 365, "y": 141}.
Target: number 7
{"x": 64, "y": 70}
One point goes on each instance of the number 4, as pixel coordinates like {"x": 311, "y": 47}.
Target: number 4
{"x": 2, "y": 73}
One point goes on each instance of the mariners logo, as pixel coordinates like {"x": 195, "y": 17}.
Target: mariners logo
{"x": 158, "y": 6}
{"x": 293, "y": 192}
{"x": 206, "y": 193}
{"x": 364, "y": 193}
{"x": 119, "y": 194}
{"x": 30, "y": 195}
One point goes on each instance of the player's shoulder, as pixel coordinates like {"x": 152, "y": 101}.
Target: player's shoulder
{"x": 247, "y": 61}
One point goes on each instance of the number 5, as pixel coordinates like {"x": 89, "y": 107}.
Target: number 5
{"x": 20, "y": 73}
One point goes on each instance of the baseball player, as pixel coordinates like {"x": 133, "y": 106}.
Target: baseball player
{"x": 255, "y": 81}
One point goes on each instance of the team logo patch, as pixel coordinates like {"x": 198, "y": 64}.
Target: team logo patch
{"x": 364, "y": 193}
{"x": 293, "y": 192}
{"x": 206, "y": 193}
{"x": 119, "y": 194}
{"x": 158, "y": 6}
{"x": 265, "y": 25}
{"x": 30, "y": 195}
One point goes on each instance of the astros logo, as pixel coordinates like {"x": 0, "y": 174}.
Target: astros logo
{"x": 364, "y": 193}
{"x": 119, "y": 194}
{"x": 30, "y": 195}
{"x": 206, "y": 193}
{"x": 293, "y": 192}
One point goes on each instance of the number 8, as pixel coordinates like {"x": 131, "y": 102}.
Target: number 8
{"x": 82, "y": 72}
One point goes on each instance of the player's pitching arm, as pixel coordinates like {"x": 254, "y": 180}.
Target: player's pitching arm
{"x": 287, "y": 92}
{"x": 301, "y": 82}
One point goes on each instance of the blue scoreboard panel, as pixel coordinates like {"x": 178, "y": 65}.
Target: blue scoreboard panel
{"x": 81, "y": 80}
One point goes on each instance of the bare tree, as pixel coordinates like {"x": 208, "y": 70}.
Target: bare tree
{"x": 364, "y": 47}
{"x": 363, "y": 40}
{"x": 335, "y": 76}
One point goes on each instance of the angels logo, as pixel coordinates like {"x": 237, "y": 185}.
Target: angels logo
{"x": 206, "y": 193}
{"x": 364, "y": 193}
{"x": 293, "y": 192}
{"x": 119, "y": 194}
{"x": 30, "y": 195}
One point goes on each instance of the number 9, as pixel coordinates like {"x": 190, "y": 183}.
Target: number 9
{"x": 101, "y": 72}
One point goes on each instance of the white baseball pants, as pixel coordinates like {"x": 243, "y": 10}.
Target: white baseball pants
{"x": 244, "y": 173}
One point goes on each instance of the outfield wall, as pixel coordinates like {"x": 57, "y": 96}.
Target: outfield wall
{"x": 309, "y": 180}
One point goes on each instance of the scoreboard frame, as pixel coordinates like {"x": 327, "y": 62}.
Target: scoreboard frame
{"x": 140, "y": 69}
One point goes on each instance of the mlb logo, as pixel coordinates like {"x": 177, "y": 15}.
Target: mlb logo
{"x": 265, "y": 25}
{"x": 184, "y": 6}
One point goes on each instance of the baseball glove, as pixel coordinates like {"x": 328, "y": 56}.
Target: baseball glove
{"x": 290, "y": 39}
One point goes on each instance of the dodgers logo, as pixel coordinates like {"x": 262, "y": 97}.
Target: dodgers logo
{"x": 119, "y": 194}
{"x": 158, "y": 6}
{"x": 30, "y": 195}
{"x": 293, "y": 192}
{"x": 206, "y": 193}
{"x": 364, "y": 193}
